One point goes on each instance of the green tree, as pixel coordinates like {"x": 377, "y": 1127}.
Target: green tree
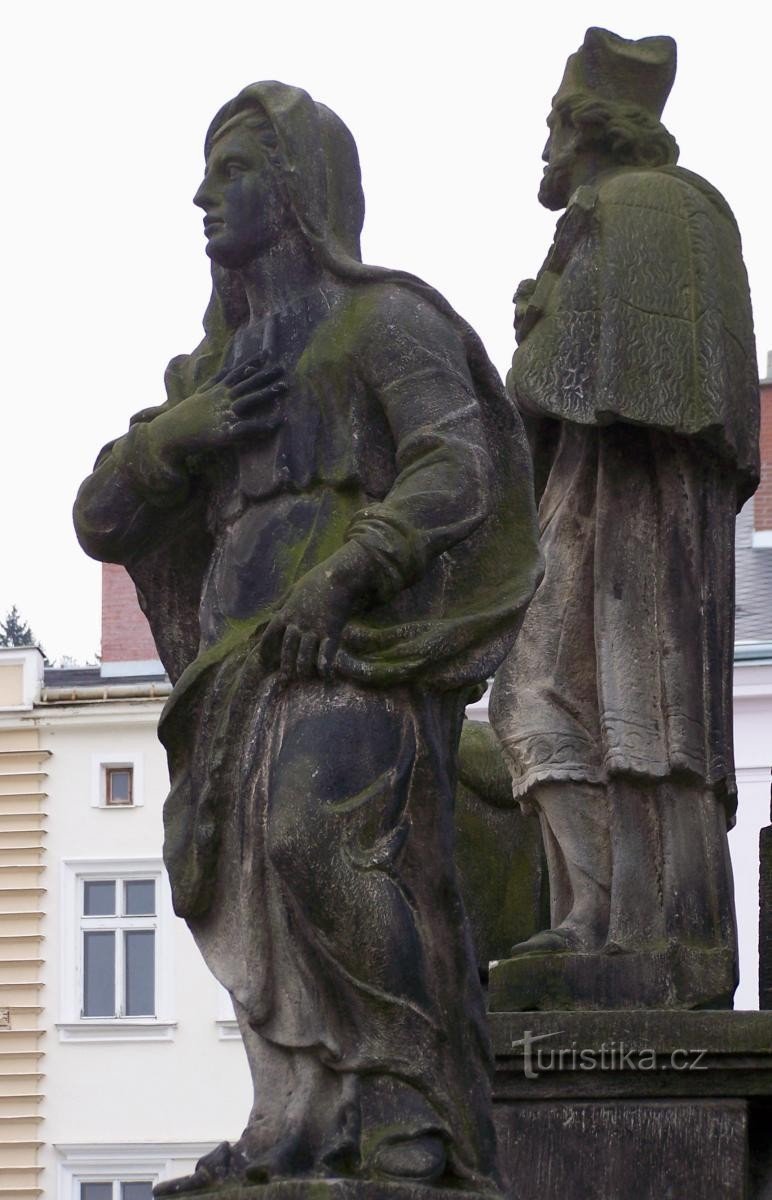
{"x": 14, "y": 631}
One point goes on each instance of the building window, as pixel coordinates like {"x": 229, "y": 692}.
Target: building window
{"x": 117, "y": 779}
{"x": 121, "y": 1171}
{"x": 116, "y": 952}
{"x": 118, "y": 1189}
{"x": 119, "y": 785}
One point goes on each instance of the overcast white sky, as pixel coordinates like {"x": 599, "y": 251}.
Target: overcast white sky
{"x": 104, "y": 108}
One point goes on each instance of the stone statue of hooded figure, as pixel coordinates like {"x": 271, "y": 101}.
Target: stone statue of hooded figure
{"x": 636, "y": 373}
{"x": 330, "y": 527}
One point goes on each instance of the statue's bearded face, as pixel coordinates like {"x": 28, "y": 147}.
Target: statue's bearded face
{"x": 560, "y": 154}
{"x": 245, "y": 203}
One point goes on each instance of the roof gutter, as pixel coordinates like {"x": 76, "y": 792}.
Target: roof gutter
{"x": 753, "y": 652}
{"x": 97, "y": 693}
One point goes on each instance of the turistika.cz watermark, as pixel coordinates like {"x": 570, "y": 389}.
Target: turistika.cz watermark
{"x": 609, "y": 1056}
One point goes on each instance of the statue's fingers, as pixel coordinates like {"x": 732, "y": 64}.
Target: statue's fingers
{"x": 289, "y": 651}
{"x": 308, "y": 651}
{"x": 271, "y": 641}
{"x": 326, "y": 659}
{"x": 234, "y": 374}
{"x": 253, "y": 392}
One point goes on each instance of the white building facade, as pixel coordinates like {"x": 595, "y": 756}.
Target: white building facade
{"x": 134, "y": 1067}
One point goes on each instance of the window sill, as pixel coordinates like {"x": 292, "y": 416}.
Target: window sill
{"x": 116, "y": 1031}
{"x": 228, "y": 1030}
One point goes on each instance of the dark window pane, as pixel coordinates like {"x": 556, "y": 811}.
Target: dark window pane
{"x": 140, "y": 973}
{"x": 140, "y": 898}
{"x": 137, "y": 1191}
{"x": 99, "y": 899}
{"x": 99, "y": 976}
{"x": 118, "y": 785}
{"x": 96, "y": 1191}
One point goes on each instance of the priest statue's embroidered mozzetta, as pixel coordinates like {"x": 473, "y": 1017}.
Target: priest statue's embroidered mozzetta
{"x": 330, "y": 524}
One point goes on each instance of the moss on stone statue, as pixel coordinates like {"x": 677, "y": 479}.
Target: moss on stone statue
{"x": 498, "y": 850}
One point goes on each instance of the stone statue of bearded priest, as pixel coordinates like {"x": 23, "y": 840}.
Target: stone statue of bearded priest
{"x": 636, "y": 374}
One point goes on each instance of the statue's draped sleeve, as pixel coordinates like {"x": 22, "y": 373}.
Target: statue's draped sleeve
{"x": 138, "y": 510}
{"x": 441, "y": 492}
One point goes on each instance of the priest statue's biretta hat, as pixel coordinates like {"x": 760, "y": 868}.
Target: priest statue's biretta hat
{"x": 620, "y": 70}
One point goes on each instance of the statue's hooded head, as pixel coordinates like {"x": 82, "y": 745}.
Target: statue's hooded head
{"x": 609, "y": 104}
{"x": 316, "y": 159}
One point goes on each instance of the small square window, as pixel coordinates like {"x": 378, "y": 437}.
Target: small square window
{"x": 119, "y": 786}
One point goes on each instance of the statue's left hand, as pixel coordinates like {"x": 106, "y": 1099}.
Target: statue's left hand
{"x": 302, "y": 639}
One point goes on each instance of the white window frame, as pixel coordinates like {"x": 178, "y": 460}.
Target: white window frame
{"x": 114, "y": 1182}
{"x": 124, "y": 1163}
{"x": 117, "y": 758}
{"x": 227, "y": 1025}
{"x": 73, "y": 1026}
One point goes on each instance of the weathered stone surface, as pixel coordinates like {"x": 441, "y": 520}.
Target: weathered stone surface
{"x": 631, "y": 1054}
{"x": 499, "y": 852}
{"x": 338, "y": 1189}
{"x": 636, "y": 373}
{"x": 677, "y": 977}
{"x": 641, "y": 1150}
{"x": 330, "y": 523}
{"x": 644, "y": 1104}
{"x": 765, "y": 918}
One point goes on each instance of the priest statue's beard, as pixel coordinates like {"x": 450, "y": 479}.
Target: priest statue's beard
{"x": 555, "y": 188}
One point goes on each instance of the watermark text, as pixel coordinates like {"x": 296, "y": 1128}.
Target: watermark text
{"x": 539, "y": 1059}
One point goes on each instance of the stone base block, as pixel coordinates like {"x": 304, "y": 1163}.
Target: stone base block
{"x": 677, "y": 977}
{"x": 765, "y": 918}
{"x": 335, "y": 1189}
{"x": 637, "y": 1150}
{"x": 628, "y": 1105}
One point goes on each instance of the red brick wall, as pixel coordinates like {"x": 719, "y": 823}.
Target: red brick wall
{"x": 762, "y": 501}
{"x": 126, "y": 635}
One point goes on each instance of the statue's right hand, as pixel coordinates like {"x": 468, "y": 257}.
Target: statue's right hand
{"x": 237, "y": 404}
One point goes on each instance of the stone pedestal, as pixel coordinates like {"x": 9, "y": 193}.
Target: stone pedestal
{"x": 337, "y": 1189}
{"x": 647, "y": 1105}
{"x": 677, "y": 977}
{"x": 765, "y": 918}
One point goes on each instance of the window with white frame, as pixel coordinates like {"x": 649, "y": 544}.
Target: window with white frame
{"x": 119, "y": 785}
{"x": 118, "y": 922}
{"x": 117, "y": 779}
{"x": 116, "y": 1189}
{"x": 122, "y": 1171}
{"x": 116, "y": 967}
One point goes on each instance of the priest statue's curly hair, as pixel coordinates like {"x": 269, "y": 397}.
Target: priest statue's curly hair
{"x": 629, "y": 134}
